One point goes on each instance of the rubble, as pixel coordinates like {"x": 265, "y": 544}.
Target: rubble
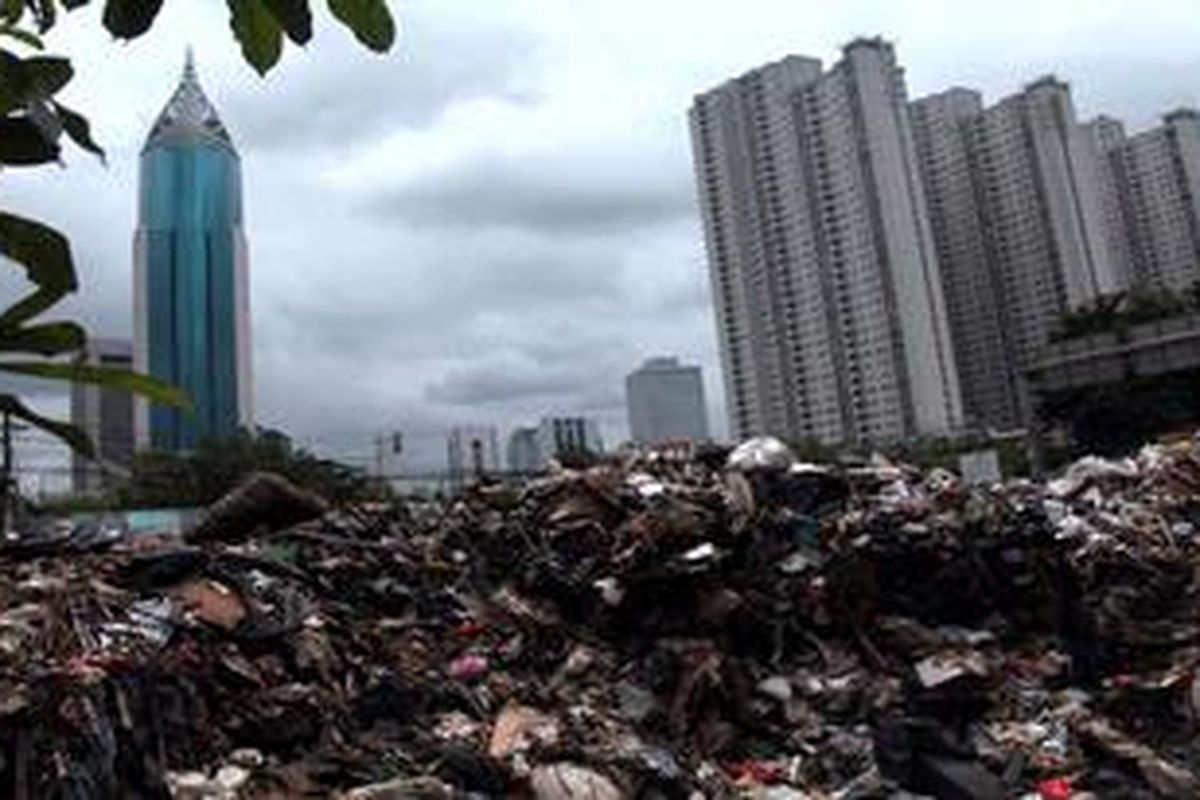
{"x": 737, "y": 625}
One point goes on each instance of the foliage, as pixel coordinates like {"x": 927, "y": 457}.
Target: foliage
{"x": 1119, "y": 417}
{"x": 260, "y": 26}
{"x": 32, "y": 124}
{"x": 813, "y": 450}
{"x": 1114, "y": 313}
{"x": 943, "y": 451}
{"x": 925, "y": 452}
{"x": 163, "y": 479}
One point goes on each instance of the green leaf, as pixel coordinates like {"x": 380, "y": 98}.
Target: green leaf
{"x": 41, "y": 114}
{"x": 47, "y": 74}
{"x": 46, "y": 256}
{"x": 22, "y": 143}
{"x": 149, "y": 387}
{"x": 46, "y": 339}
{"x": 128, "y": 19}
{"x": 79, "y": 129}
{"x": 11, "y": 10}
{"x": 44, "y": 12}
{"x": 14, "y": 83}
{"x": 22, "y": 36}
{"x": 43, "y": 251}
{"x": 72, "y": 435}
{"x": 258, "y": 32}
{"x": 369, "y": 19}
{"x": 294, "y": 17}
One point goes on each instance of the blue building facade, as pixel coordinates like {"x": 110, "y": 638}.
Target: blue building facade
{"x": 191, "y": 302}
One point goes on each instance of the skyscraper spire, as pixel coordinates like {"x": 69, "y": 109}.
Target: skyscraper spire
{"x": 189, "y": 115}
{"x": 189, "y": 65}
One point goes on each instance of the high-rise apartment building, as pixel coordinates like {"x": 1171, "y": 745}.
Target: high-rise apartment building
{"x": 1154, "y": 179}
{"x": 665, "y": 401}
{"x": 986, "y": 374}
{"x": 1038, "y": 178}
{"x": 1016, "y": 200}
{"x": 1107, "y": 136}
{"x": 105, "y": 415}
{"x": 829, "y": 305}
{"x": 191, "y": 300}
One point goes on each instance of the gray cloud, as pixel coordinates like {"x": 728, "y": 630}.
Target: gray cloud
{"x": 342, "y": 97}
{"x": 562, "y": 193}
{"x": 567, "y": 368}
{"x": 502, "y": 382}
{"x": 417, "y": 298}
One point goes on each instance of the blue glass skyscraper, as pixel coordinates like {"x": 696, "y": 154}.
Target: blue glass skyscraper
{"x": 191, "y": 303}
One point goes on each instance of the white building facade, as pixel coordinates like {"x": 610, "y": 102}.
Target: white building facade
{"x": 831, "y": 318}
{"x": 1154, "y": 180}
{"x": 105, "y": 415}
{"x": 985, "y": 370}
{"x": 1016, "y": 198}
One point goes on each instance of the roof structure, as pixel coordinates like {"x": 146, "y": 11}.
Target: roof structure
{"x": 188, "y": 115}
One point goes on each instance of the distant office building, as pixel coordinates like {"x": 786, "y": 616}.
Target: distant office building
{"x": 1154, "y": 180}
{"x": 472, "y": 450}
{"x": 106, "y": 415}
{"x": 522, "y": 454}
{"x": 665, "y": 401}
{"x": 1016, "y": 202}
{"x": 565, "y": 436}
{"x": 191, "y": 301}
{"x": 532, "y": 449}
{"x": 828, "y": 294}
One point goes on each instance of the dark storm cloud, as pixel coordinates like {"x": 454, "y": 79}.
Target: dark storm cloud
{"x": 343, "y": 97}
{"x": 562, "y": 193}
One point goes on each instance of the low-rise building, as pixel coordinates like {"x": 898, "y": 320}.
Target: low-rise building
{"x": 106, "y": 415}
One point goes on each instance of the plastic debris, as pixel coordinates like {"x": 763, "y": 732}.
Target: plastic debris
{"x": 729, "y": 625}
{"x": 572, "y": 782}
{"x": 765, "y": 452}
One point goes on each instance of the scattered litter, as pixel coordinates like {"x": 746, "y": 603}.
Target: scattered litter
{"x": 733, "y": 625}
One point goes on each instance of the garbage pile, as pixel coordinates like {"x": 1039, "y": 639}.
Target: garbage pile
{"x": 738, "y": 624}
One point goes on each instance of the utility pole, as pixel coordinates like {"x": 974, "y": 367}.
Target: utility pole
{"x": 6, "y": 477}
{"x": 477, "y": 457}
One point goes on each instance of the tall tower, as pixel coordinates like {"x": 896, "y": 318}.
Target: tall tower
{"x": 828, "y": 296}
{"x": 1156, "y": 182}
{"x": 1022, "y": 229}
{"x": 191, "y": 301}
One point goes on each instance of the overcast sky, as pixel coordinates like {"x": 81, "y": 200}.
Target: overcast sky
{"x": 497, "y": 220}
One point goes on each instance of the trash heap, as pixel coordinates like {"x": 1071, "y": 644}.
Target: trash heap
{"x": 739, "y": 624}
